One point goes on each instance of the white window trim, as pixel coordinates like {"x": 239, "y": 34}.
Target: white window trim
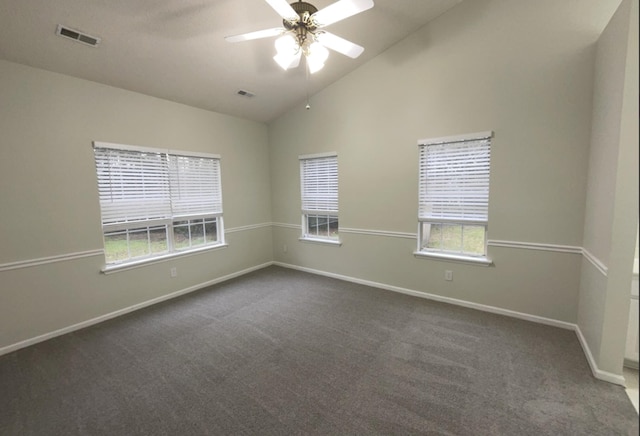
{"x": 168, "y": 222}
{"x": 305, "y": 237}
{"x": 326, "y": 241}
{"x": 457, "y": 138}
{"x": 311, "y": 238}
{"x": 454, "y": 257}
{"x": 117, "y": 267}
{"x": 318, "y": 155}
{"x": 126, "y": 147}
{"x": 219, "y": 230}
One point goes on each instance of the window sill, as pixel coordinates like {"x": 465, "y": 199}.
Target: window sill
{"x": 454, "y": 258}
{"x": 110, "y": 269}
{"x": 321, "y": 241}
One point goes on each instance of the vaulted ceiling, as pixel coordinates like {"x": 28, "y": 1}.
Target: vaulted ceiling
{"x": 175, "y": 49}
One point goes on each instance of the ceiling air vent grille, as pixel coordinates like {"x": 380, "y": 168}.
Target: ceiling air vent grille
{"x": 244, "y": 93}
{"x": 83, "y": 38}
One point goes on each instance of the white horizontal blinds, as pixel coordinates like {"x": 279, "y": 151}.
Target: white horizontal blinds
{"x": 195, "y": 185}
{"x": 454, "y": 181}
{"x": 319, "y": 184}
{"x": 132, "y": 185}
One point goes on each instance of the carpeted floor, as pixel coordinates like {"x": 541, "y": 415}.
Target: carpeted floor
{"x": 280, "y": 352}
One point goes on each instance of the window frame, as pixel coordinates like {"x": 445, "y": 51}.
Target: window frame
{"x": 424, "y": 218}
{"x": 212, "y": 211}
{"x": 328, "y": 212}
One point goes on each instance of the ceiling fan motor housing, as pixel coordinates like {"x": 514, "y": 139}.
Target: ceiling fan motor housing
{"x": 304, "y": 11}
{"x": 304, "y": 25}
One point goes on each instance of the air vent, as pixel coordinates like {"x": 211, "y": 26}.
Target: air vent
{"x": 83, "y": 38}
{"x": 244, "y": 93}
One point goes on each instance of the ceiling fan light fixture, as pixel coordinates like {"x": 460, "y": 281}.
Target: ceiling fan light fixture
{"x": 287, "y": 44}
{"x": 287, "y": 51}
{"x": 287, "y": 60}
{"x": 301, "y": 32}
{"x": 317, "y": 52}
{"x": 314, "y": 67}
{"x": 316, "y": 55}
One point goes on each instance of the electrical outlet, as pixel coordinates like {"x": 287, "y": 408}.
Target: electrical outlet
{"x": 448, "y": 275}
{"x": 174, "y": 272}
{"x": 284, "y": 248}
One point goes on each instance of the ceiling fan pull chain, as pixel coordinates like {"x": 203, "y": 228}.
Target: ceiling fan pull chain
{"x": 308, "y": 106}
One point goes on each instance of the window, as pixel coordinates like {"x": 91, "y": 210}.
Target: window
{"x": 454, "y": 196}
{"x": 319, "y": 188}
{"x": 157, "y": 202}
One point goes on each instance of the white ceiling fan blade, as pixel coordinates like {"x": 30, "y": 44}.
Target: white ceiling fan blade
{"x": 340, "y": 10}
{"x": 256, "y": 35}
{"x": 338, "y": 44}
{"x": 284, "y": 9}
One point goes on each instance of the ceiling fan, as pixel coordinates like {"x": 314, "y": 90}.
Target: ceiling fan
{"x": 302, "y": 32}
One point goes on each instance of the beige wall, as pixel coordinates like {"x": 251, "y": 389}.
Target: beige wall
{"x": 522, "y": 69}
{"x": 605, "y": 137}
{"x": 611, "y": 216}
{"x": 49, "y": 203}
{"x": 637, "y": 243}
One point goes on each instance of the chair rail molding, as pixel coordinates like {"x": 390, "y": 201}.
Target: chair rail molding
{"x": 50, "y": 259}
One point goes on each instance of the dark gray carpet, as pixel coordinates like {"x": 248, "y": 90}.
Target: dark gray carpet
{"x": 284, "y": 352}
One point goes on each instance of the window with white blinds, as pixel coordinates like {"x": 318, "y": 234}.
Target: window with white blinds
{"x": 194, "y": 185}
{"x": 454, "y": 193}
{"x": 132, "y": 185}
{"x": 154, "y": 202}
{"x": 319, "y": 190}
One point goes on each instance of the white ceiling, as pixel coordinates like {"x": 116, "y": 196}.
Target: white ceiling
{"x": 175, "y": 49}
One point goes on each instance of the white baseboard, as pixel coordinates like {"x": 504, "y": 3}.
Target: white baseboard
{"x": 105, "y": 317}
{"x": 597, "y": 372}
{"x": 463, "y": 303}
{"x": 633, "y": 364}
